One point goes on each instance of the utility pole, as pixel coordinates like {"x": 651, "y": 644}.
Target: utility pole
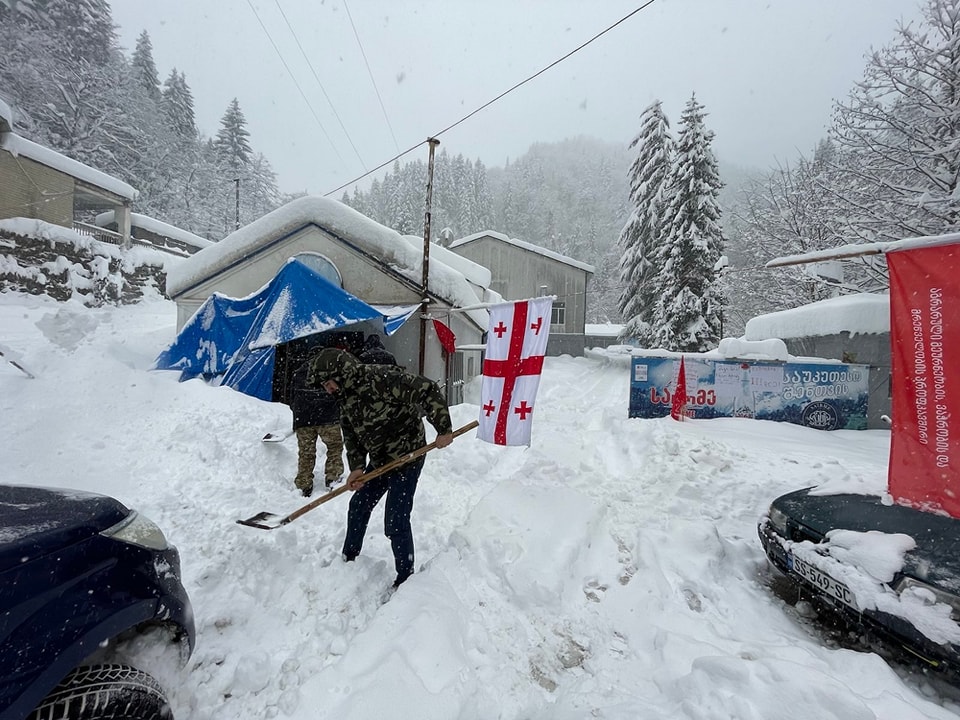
{"x": 425, "y": 303}
{"x": 237, "y": 182}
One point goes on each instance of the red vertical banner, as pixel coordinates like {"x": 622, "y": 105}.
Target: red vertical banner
{"x": 678, "y": 405}
{"x": 925, "y": 376}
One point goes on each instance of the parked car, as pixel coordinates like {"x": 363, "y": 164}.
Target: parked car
{"x": 929, "y": 577}
{"x": 80, "y": 576}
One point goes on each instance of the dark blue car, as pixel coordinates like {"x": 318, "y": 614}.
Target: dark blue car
{"x": 80, "y": 576}
{"x": 931, "y": 569}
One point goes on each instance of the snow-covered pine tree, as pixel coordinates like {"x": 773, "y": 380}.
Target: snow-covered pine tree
{"x": 687, "y": 317}
{"x": 641, "y": 236}
{"x": 232, "y": 144}
{"x": 177, "y": 106}
{"x": 258, "y": 189}
{"x": 85, "y": 28}
{"x": 144, "y": 68}
{"x": 481, "y": 199}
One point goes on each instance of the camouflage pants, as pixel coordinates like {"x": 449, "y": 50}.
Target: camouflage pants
{"x": 330, "y": 436}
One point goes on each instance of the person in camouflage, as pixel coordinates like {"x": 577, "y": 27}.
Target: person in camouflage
{"x": 381, "y": 411}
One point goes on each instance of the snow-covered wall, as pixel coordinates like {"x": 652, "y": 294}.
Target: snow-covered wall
{"x": 44, "y": 259}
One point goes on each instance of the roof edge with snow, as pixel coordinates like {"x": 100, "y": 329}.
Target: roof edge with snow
{"x": 860, "y": 314}
{"x": 842, "y": 252}
{"x": 396, "y": 254}
{"x": 155, "y": 226}
{"x": 525, "y": 246}
{"x": 16, "y": 146}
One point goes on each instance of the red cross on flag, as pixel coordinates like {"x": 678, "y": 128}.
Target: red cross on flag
{"x": 516, "y": 344}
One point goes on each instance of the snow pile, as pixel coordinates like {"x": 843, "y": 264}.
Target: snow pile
{"x": 610, "y": 570}
{"x": 772, "y": 349}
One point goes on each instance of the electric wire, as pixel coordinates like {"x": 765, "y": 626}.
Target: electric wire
{"x": 322, "y": 89}
{"x": 370, "y": 74}
{"x": 466, "y": 117}
{"x": 292, "y": 77}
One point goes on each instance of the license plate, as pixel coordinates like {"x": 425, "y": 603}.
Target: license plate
{"x": 816, "y": 577}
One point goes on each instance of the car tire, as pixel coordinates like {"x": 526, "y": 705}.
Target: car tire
{"x": 105, "y": 692}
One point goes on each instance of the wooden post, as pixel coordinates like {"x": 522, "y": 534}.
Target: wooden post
{"x": 425, "y": 301}
{"x": 237, "y": 181}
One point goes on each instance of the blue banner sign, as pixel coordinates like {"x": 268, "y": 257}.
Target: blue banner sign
{"x": 825, "y": 396}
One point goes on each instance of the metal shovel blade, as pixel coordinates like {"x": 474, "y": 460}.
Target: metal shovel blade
{"x": 263, "y": 521}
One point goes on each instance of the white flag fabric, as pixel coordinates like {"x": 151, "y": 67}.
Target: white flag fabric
{"x": 516, "y": 343}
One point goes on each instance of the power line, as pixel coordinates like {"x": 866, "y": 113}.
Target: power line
{"x": 322, "y": 89}
{"x": 290, "y": 73}
{"x": 548, "y": 67}
{"x": 500, "y": 96}
{"x": 378, "y": 167}
{"x": 370, "y": 73}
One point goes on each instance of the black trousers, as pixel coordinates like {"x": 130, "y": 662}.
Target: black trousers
{"x": 399, "y": 487}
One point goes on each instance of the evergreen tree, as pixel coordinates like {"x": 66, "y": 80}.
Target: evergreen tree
{"x": 232, "y": 146}
{"x": 687, "y": 317}
{"x": 144, "y": 68}
{"x": 258, "y": 190}
{"x": 640, "y": 237}
{"x": 84, "y": 27}
{"x": 481, "y": 200}
{"x": 177, "y": 106}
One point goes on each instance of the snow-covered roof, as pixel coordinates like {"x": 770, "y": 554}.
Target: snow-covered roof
{"x": 6, "y": 115}
{"x": 603, "y": 329}
{"x": 16, "y": 146}
{"x": 474, "y": 272}
{"x": 856, "y": 250}
{"x": 865, "y": 313}
{"x": 525, "y": 245}
{"x": 155, "y": 226}
{"x": 341, "y": 221}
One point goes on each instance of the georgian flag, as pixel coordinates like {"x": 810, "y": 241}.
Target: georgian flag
{"x": 516, "y": 344}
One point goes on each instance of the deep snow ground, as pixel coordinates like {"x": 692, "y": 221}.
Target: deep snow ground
{"x": 610, "y": 570}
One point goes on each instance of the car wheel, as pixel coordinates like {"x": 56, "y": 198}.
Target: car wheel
{"x": 105, "y": 692}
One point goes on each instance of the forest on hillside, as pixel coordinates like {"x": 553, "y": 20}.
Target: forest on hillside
{"x": 887, "y": 169}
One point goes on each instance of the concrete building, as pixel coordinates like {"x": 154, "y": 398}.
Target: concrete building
{"x": 520, "y": 270}
{"x": 42, "y": 184}
{"x": 368, "y": 260}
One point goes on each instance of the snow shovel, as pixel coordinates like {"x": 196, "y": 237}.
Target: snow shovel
{"x": 276, "y": 437}
{"x": 17, "y": 365}
{"x": 271, "y": 521}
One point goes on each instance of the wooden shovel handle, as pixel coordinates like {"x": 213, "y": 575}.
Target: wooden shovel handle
{"x": 377, "y": 472}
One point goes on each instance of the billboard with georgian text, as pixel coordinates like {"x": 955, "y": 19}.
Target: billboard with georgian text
{"x": 825, "y": 396}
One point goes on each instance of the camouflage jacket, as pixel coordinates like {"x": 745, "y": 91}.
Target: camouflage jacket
{"x": 381, "y": 407}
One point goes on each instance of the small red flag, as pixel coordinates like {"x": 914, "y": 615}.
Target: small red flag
{"x": 446, "y": 337}
{"x": 679, "y": 402}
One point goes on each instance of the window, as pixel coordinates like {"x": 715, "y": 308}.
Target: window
{"x": 322, "y": 265}
{"x": 558, "y": 316}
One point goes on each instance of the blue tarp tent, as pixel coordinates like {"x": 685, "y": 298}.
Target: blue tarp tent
{"x": 237, "y": 338}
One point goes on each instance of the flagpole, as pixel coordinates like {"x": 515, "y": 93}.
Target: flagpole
{"x": 488, "y": 305}
{"x": 425, "y": 300}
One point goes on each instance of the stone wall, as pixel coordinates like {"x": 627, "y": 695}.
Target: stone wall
{"x": 65, "y": 265}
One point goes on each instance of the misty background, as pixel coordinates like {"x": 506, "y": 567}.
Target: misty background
{"x": 190, "y": 104}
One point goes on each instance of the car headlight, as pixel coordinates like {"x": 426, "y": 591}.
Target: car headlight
{"x": 929, "y": 594}
{"x": 778, "y": 521}
{"x": 138, "y": 530}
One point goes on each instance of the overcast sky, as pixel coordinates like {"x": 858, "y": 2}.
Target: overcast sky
{"x": 766, "y": 70}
